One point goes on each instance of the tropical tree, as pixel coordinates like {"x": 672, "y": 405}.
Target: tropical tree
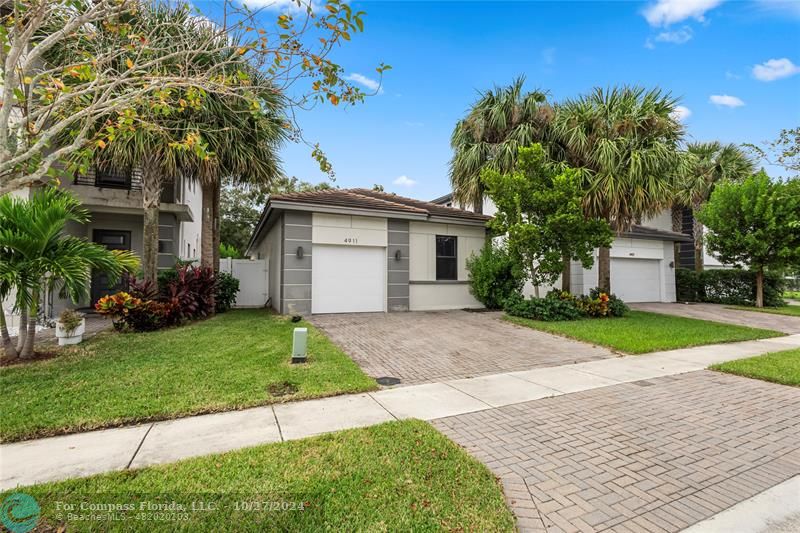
{"x": 624, "y": 142}
{"x": 539, "y": 210}
{"x": 709, "y": 164}
{"x": 112, "y": 62}
{"x": 498, "y": 124}
{"x": 37, "y": 255}
{"x": 755, "y": 223}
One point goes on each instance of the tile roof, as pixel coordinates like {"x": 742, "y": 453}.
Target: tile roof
{"x": 369, "y": 199}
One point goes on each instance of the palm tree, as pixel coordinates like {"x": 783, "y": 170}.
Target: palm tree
{"x": 625, "y": 142}
{"x": 219, "y": 134}
{"x": 710, "y": 163}
{"x": 244, "y": 145}
{"x": 38, "y": 255}
{"x": 497, "y": 125}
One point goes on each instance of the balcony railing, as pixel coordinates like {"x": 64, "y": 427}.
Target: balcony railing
{"x": 127, "y": 181}
{"x": 111, "y": 179}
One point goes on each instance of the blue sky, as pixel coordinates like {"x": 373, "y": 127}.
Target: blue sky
{"x": 443, "y": 53}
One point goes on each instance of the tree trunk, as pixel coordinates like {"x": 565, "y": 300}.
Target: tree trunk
{"x": 697, "y": 231}
{"x": 22, "y": 331}
{"x": 207, "y": 227}
{"x": 215, "y": 245}
{"x": 478, "y": 207}
{"x": 566, "y": 276}
{"x": 760, "y": 287}
{"x": 151, "y": 199}
{"x": 8, "y": 347}
{"x": 30, "y": 338}
{"x": 604, "y": 270}
{"x": 533, "y": 277}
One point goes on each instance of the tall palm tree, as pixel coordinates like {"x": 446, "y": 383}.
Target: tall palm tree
{"x": 244, "y": 145}
{"x": 497, "y": 125}
{"x": 710, "y": 163}
{"x": 625, "y": 142}
{"x": 38, "y": 255}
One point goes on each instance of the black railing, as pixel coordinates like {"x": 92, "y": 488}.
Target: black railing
{"x": 111, "y": 179}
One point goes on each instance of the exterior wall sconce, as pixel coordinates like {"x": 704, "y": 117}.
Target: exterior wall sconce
{"x": 299, "y": 252}
{"x": 398, "y": 255}
{"x": 672, "y": 264}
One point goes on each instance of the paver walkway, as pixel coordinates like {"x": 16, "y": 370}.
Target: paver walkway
{"x": 89, "y": 453}
{"x": 720, "y": 313}
{"x": 436, "y": 346}
{"x": 652, "y": 455}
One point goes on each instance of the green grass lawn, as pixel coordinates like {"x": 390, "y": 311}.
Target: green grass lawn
{"x": 398, "y": 476}
{"x": 224, "y": 363}
{"x": 642, "y": 332}
{"x": 788, "y": 310}
{"x": 778, "y": 367}
{"x": 792, "y": 294}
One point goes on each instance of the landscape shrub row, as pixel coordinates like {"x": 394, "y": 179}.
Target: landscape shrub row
{"x": 182, "y": 294}
{"x": 557, "y": 306}
{"x": 728, "y": 286}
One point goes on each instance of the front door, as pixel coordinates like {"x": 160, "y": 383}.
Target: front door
{"x": 113, "y": 240}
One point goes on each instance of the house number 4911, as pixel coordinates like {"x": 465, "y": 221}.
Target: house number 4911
{"x": 351, "y": 240}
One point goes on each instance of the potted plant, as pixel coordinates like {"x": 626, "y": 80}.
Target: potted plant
{"x": 70, "y": 327}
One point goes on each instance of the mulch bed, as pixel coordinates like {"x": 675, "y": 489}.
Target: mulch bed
{"x": 37, "y": 356}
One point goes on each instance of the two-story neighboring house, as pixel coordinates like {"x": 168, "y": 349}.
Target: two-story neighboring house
{"x": 642, "y": 260}
{"x": 114, "y": 201}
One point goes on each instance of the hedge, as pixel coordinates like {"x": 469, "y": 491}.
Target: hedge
{"x": 730, "y": 287}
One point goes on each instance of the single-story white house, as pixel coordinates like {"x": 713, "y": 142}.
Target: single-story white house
{"x": 359, "y": 250}
{"x": 642, "y": 261}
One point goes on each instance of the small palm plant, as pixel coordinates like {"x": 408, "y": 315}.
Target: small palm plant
{"x": 37, "y": 255}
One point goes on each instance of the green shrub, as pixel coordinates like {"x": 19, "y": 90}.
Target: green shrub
{"x": 557, "y": 306}
{"x": 228, "y": 250}
{"x": 552, "y": 308}
{"x": 599, "y": 304}
{"x": 494, "y": 276}
{"x": 227, "y": 288}
{"x": 727, "y": 286}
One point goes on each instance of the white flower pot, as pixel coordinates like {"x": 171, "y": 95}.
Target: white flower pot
{"x": 73, "y": 337}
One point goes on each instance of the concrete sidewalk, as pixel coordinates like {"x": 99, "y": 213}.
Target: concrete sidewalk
{"x": 84, "y": 454}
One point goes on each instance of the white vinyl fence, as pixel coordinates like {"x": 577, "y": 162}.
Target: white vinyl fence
{"x": 252, "y": 276}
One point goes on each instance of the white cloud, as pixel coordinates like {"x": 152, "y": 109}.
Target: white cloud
{"x": 775, "y": 69}
{"x": 284, "y": 6}
{"x": 369, "y": 83}
{"x": 780, "y": 8}
{"x": 681, "y": 113}
{"x": 732, "y": 75}
{"x": 549, "y": 55}
{"x": 666, "y": 12}
{"x": 649, "y": 44}
{"x": 405, "y": 181}
{"x": 725, "y": 100}
{"x": 681, "y": 36}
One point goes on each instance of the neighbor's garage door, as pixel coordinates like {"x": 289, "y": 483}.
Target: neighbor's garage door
{"x": 347, "y": 279}
{"x": 636, "y": 280}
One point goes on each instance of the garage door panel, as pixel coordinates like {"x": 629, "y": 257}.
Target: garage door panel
{"x": 636, "y": 280}
{"x": 348, "y": 279}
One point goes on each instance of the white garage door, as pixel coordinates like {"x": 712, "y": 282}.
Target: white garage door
{"x": 347, "y": 279}
{"x": 636, "y": 280}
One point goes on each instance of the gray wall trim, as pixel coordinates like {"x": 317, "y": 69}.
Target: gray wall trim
{"x": 296, "y": 273}
{"x": 397, "y": 291}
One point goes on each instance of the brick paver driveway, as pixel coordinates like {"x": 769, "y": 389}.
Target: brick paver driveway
{"x": 655, "y": 455}
{"x": 721, "y": 313}
{"x": 422, "y": 347}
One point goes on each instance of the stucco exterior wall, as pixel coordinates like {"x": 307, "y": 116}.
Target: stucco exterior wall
{"x": 192, "y": 195}
{"x": 425, "y": 292}
{"x": 296, "y": 282}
